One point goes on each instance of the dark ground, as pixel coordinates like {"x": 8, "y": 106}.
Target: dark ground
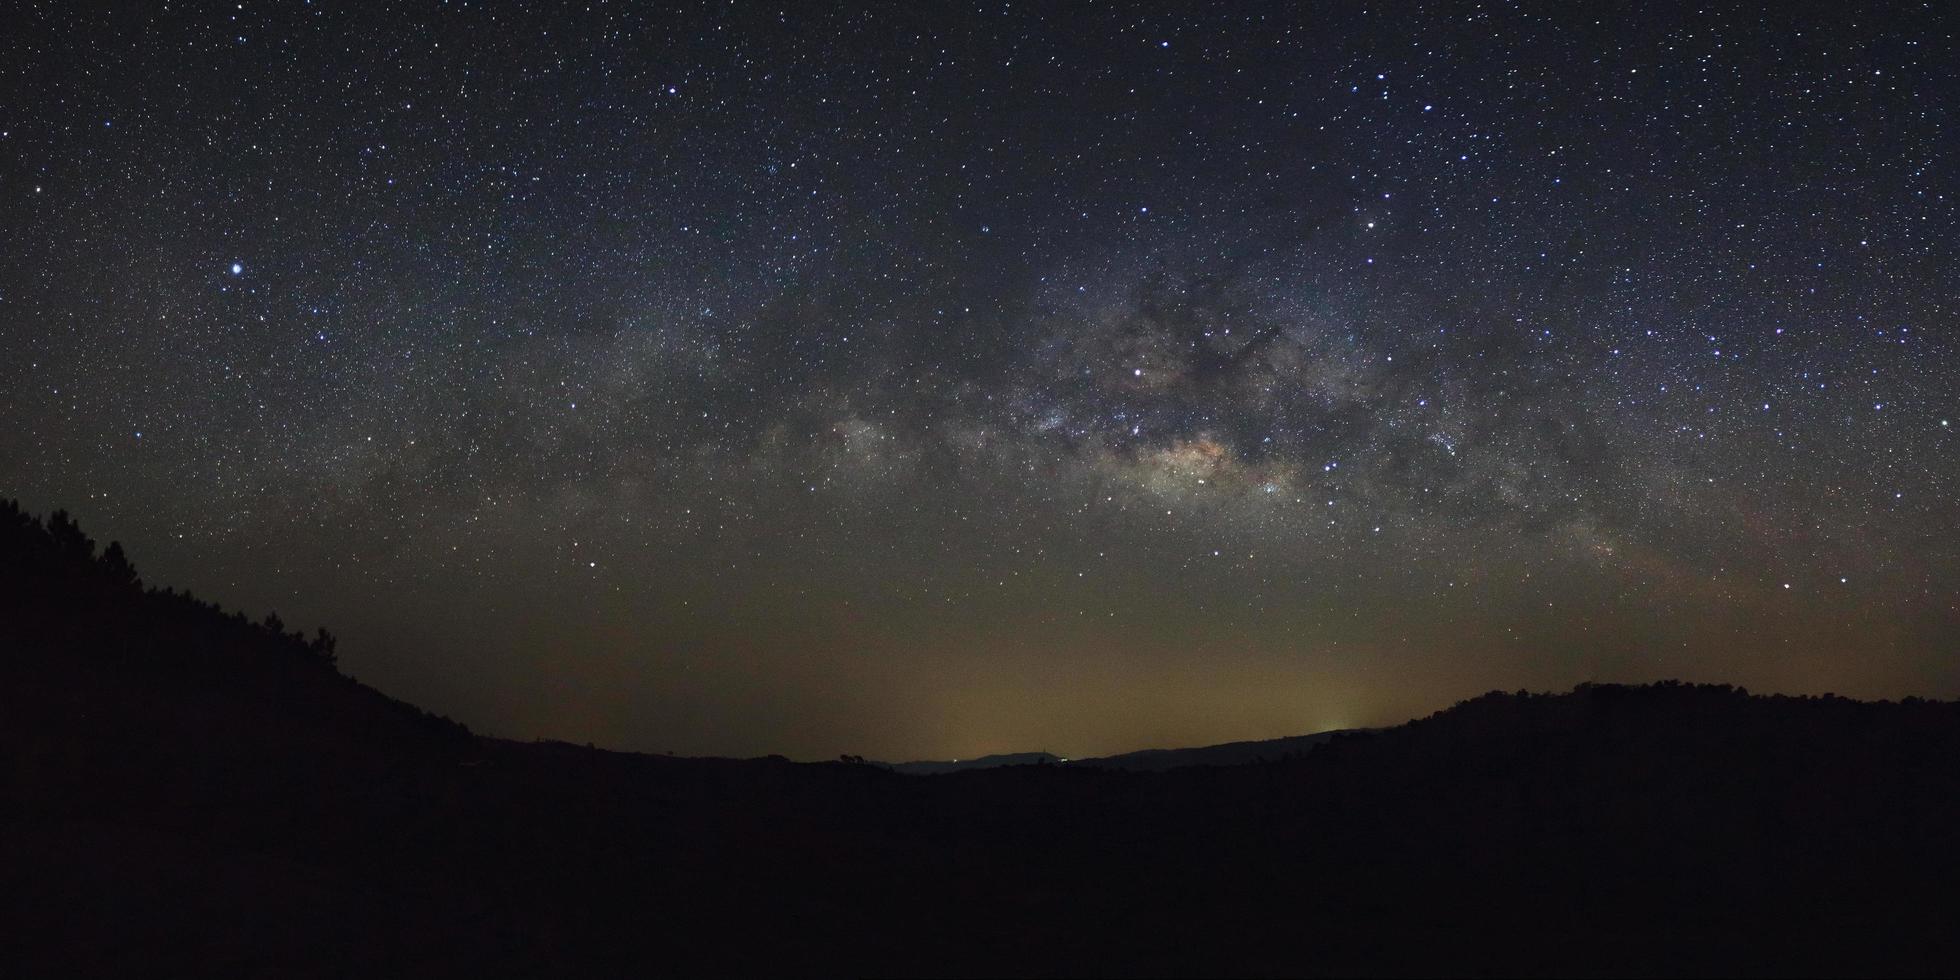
{"x": 186, "y": 793}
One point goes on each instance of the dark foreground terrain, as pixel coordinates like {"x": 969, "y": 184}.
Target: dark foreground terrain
{"x": 187, "y": 793}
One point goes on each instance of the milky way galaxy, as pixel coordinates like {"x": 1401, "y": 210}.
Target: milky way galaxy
{"x": 932, "y": 381}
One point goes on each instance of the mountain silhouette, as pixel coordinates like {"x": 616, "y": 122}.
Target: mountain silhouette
{"x": 932, "y": 768}
{"x": 1224, "y": 754}
{"x": 186, "y": 791}
{"x": 1145, "y": 760}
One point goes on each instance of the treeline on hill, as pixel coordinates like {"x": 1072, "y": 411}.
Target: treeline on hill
{"x": 184, "y": 792}
{"x": 58, "y": 588}
{"x": 67, "y": 611}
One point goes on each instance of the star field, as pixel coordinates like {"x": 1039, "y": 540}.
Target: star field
{"x": 933, "y": 381}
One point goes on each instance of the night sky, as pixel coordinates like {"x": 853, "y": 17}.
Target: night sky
{"x": 931, "y": 380}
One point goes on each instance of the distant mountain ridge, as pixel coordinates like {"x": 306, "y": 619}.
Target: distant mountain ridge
{"x": 930, "y": 767}
{"x": 1142, "y": 760}
{"x": 1223, "y": 754}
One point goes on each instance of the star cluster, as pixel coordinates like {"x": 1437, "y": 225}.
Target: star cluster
{"x": 740, "y": 378}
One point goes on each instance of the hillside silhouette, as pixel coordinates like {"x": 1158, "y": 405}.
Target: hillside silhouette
{"x": 186, "y": 791}
{"x": 1144, "y": 760}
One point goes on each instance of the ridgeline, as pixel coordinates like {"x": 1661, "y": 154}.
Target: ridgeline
{"x": 185, "y": 791}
